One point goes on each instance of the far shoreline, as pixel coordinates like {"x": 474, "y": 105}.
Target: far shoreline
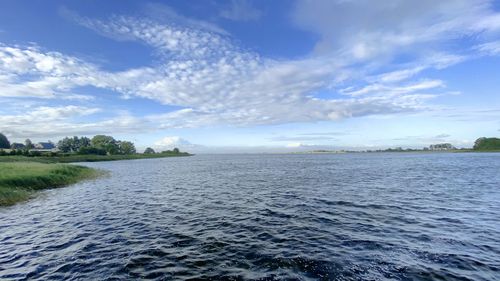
{"x": 396, "y": 152}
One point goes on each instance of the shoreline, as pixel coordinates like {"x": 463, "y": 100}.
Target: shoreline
{"x": 22, "y": 176}
{"x": 74, "y": 158}
{"x": 19, "y": 181}
{"x": 396, "y": 151}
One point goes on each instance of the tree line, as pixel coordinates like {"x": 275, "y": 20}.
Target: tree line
{"x": 97, "y": 145}
{"x": 487, "y": 144}
{"x": 100, "y": 145}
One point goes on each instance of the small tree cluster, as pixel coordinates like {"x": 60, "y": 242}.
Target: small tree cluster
{"x": 99, "y": 144}
{"x": 487, "y": 144}
{"x": 74, "y": 144}
{"x": 173, "y": 151}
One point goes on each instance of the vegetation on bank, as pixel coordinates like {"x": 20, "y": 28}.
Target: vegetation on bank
{"x": 480, "y": 145}
{"x": 487, "y": 144}
{"x": 99, "y": 145}
{"x": 19, "y": 180}
{"x": 78, "y": 149}
{"x": 71, "y": 158}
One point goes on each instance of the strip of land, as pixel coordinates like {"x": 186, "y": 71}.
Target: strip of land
{"x": 20, "y": 180}
{"x": 393, "y": 151}
{"x": 72, "y": 158}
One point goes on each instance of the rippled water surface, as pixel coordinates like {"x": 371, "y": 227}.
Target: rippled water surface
{"x": 268, "y": 217}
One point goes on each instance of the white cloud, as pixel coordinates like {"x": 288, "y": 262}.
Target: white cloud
{"x": 30, "y": 72}
{"x": 171, "y": 142}
{"x": 295, "y": 145}
{"x": 200, "y": 68}
{"x": 170, "y": 38}
{"x": 218, "y": 82}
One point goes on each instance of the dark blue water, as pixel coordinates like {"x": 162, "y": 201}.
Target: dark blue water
{"x": 396, "y": 216}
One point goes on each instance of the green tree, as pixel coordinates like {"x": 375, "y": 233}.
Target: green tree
{"x": 176, "y": 150}
{"x": 4, "y": 142}
{"x": 149, "y": 150}
{"x": 107, "y": 143}
{"x": 28, "y": 144}
{"x": 73, "y": 144}
{"x": 84, "y": 142}
{"x": 487, "y": 144}
{"x": 126, "y": 147}
{"x": 65, "y": 145}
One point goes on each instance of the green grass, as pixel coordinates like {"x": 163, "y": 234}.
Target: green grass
{"x": 85, "y": 158}
{"x": 19, "y": 180}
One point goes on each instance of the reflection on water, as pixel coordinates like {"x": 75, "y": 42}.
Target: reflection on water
{"x": 331, "y": 217}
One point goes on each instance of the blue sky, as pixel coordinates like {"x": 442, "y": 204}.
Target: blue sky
{"x": 252, "y": 76}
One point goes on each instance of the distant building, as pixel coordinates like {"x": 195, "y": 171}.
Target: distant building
{"x": 441, "y": 146}
{"x": 45, "y": 146}
{"x": 16, "y": 145}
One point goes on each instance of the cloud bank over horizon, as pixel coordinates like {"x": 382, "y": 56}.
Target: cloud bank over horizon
{"x": 369, "y": 61}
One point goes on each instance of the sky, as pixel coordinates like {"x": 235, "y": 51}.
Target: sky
{"x": 252, "y": 76}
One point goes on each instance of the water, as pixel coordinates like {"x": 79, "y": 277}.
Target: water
{"x": 270, "y": 217}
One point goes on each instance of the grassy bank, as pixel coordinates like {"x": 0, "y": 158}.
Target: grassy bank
{"x": 70, "y": 158}
{"x": 19, "y": 180}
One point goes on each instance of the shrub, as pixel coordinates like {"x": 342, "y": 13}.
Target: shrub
{"x": 91, "y": 150}
{"x": 34, "y": 153}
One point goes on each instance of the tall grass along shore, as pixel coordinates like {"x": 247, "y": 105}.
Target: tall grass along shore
{"x": 19, "y": 180}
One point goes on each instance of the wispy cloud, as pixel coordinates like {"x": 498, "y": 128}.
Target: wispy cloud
{"x": 164, "y": 14}
{"x": 490, "y": 48}
{"x": 394, "y": 90}
{"x": 365, "y": 29}
{"x": 241, "y": 10}
{"x": 216, "y": 81}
